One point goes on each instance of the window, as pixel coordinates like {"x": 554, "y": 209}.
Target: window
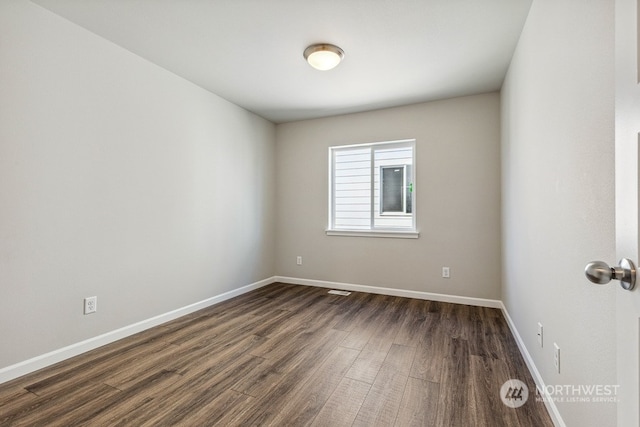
{"x": 372, "y": 189}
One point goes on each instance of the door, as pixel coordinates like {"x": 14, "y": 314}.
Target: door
{"x": 627, "y": 111}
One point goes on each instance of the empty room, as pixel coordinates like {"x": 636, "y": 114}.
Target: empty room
{"x": 329, "y": 213}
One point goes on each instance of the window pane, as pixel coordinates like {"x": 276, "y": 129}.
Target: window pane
{"x": 352, "y": 188}
{"x": 390, "y": 213}
{"x": 408, "y": 189}
{"x": 392, "y": 186}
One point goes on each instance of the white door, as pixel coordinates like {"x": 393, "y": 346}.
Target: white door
{"x": 627, "y": 200}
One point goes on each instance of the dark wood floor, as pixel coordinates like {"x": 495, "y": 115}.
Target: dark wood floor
{"x": 290, "y": 355}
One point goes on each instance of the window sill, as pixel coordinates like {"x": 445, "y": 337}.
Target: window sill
{"x": 375, "y": 233}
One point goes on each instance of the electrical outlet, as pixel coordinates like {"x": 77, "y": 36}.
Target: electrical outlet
{"x": 446, "y": 273}
{"x": 540, "y": 334}
{"x": 90, "y": 305}
{"x": 299, "y": 260}
{"x": 556, "y": 357}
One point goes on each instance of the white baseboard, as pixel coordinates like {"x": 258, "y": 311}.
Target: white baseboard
{"x": 22, "y": 368}
{"x": 31, "y": 365}
{"x": 548, "y": 400}
{"x": 481, "y": 302}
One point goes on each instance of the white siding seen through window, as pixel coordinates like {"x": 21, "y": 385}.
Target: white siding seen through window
{"x": 372, "y": 187}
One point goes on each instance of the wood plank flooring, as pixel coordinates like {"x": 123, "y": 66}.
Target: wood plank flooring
{"x": 287, "y": 355}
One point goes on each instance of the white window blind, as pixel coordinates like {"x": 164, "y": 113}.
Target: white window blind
{"x": 372, "y": 187}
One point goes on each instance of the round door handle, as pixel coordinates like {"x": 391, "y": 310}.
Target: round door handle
{"x": 600, "y": 273}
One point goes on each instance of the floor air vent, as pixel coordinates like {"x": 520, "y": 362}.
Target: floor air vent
{"x": 343, "y": 293}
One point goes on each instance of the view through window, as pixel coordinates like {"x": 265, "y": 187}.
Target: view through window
{"x": 372, "y": 187}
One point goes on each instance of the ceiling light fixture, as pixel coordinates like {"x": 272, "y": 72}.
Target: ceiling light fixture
{"x": 323, "y": 56}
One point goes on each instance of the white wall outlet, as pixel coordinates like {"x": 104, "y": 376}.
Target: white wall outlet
{"x": 446, "y": 273}
{"x": 90, "y": 305}
{"x": 556, "y": 357}
{"x": 299, "y": 260}
{"x": 540, "y": 334}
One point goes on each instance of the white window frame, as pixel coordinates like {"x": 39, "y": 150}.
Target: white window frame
{"x": 373, "y": 230}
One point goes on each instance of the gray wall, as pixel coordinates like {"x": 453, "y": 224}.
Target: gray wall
{"x": 558, "y": 194}
{"x": 457, "y": 198}
{"x": 121, "y": 180}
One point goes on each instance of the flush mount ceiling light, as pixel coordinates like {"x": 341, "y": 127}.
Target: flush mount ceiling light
{"x": 323, "y": 56}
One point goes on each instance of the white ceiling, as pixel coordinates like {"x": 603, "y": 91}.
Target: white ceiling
{"x": 249, "y": 52}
